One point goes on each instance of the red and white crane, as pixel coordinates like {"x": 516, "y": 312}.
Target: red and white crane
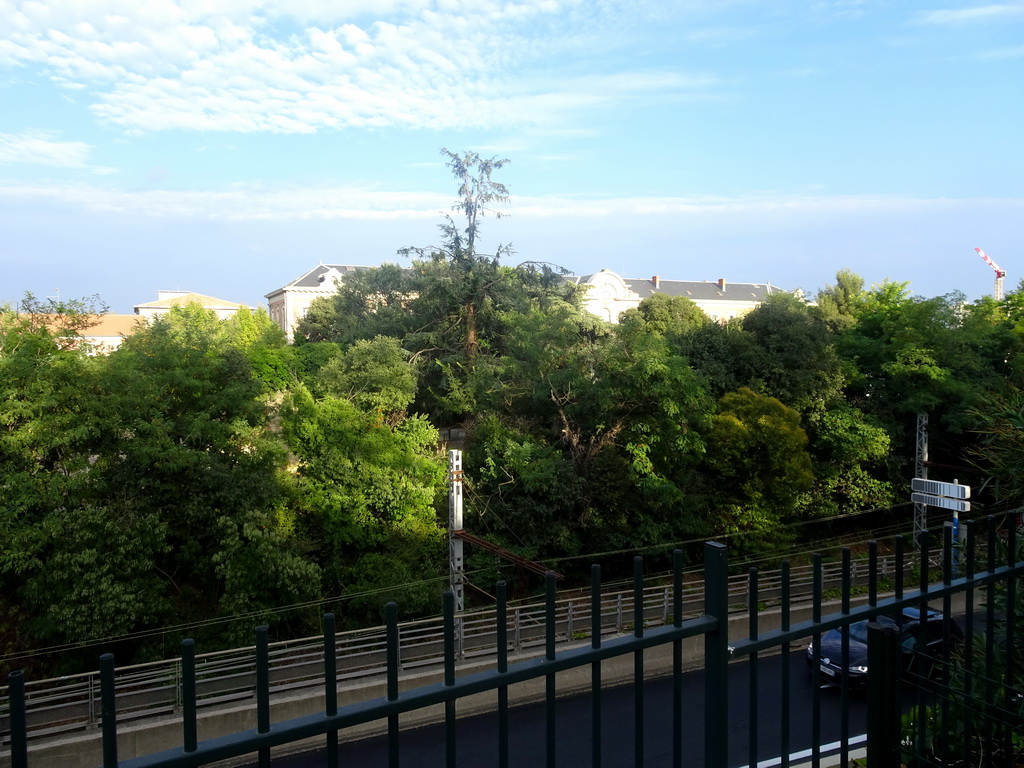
{"x": 997, "y": 292}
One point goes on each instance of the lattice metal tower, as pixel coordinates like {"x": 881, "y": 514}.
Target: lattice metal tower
{"x": 921, "y": 470}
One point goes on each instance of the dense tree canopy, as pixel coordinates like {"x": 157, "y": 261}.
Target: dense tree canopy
{"x": 208, "y": 469}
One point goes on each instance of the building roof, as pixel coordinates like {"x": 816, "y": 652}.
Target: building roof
{"x": 705, "y": 290}
{"x": 113, "y": 325}
{"x": 170, "y": 299}
{"x": 103, "y": 325}
{"x": 316, "y": 277}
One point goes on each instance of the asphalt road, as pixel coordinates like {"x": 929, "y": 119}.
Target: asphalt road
{"x": 477, "y": 736}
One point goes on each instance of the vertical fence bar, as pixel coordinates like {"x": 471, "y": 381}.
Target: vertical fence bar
{"x": 595, "y": 667}
{"x": 449, "y": 677}
{"x": 897, "y": 576}
{"x": 108, "y": 708}
{"x": 501, "y": 618}
{"x": 391, "y": 626}
{"x": 716, "y": 656}
{"x": 677, "y": 660}
{"x": 638, "y": 662}
{"x": 263, "y": 690}
{"x": 92, "y": 699}
{"x": 816, "y": 597}
{"x": 844, "y": 690}
{"x": 883, "y": 733}
{"x": 784, "y": 704}
{"x": 1010, "y": 618}
{"x": 19, "y": 721}
{"x": 190, "y": 734}
{"x": 549, "y": 679}
{"x": 752, "y": 629}
{"x": 970, "y": 567}
{"x": 990, "y": 616}
{"x": 924, "y": 557}
{"x": 872, "y": 573}
{"x": 949, "y": 567}
{"x": 331, "y": 685}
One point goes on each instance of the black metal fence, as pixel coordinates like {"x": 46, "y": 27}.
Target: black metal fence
{"x": 951, "y": 723}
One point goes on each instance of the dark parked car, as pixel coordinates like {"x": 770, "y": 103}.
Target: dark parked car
{"x": 917, "y": 640}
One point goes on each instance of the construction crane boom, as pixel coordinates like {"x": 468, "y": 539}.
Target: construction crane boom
{"x": 997, "y": 292}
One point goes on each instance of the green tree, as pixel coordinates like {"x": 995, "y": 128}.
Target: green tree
{"x": 602, "y": 423}
{"x": 849, "y": 455}
{"x": 375, "y": 375}
{"x": 264, "y": 344}
{"x": 467, "y": 278}
{"x": 369, "y": 303}
{"x": 364, "y": 486}
{"x": 839, "y": 304}
{"x": 670, "y": 316}
{"x": 757, "y": 449}
{"x": 186, "y": 437}
{"x": 793, "y": 356}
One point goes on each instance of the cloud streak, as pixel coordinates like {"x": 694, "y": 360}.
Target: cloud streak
{"x": 42, "y": 148}
{"x": 980, "y": 13}
{"x": 359, "y": 203}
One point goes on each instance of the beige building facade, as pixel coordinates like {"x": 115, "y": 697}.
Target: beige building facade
{"x": 607, "y": 294}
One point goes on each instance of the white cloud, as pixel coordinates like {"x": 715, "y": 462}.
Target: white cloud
{"x": 1012, "y": 52}
{"x": 992, "y": 12}
{"x": 41, "y": 148}
{"x": 303, "y": 65}
{"x": 284, "y": 204}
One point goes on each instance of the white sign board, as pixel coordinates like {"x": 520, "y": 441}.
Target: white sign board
{"x": 957, "y": 505}
{"x": 935, "y": 488}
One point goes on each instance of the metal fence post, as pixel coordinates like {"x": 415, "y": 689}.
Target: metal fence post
{"x": 187, "y": 691}
{"x": 263, "y": 690}
{"x": 883, "y": 726}
{"x": 716, "y": 656}
{"x": 331, "y": 685}
{"x": 108, "y": 707}
{"x": 19, "y": 727}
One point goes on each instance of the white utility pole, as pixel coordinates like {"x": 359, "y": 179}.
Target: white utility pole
{"x": 456, "y": 561}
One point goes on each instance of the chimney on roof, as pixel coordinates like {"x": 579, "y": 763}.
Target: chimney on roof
{"x": 657, "y": 281}
{"x": 721, "y": 283}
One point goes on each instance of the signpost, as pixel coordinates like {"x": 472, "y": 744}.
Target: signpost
{"x": 945, "y": 496}
{"x": 957, "y": 505}
{"x": 935, "y": 488}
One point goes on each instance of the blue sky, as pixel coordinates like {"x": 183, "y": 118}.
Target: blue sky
{"x": 228, "y": 146}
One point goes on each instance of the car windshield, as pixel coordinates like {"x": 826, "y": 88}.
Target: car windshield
{"x": 859, "y": 630}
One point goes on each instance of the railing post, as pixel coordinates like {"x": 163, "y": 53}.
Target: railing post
{"x": 263, "y": 690}
{"x": 595, "y": 667}
{"x": 450, "y": 651}
{"x": 501, "y": 618}
{"x": 92, "y": 719}
{"x": 331, "y": 685}
{"x": 638, "y": 662}
{"x": 883, "y": 726}
{"x": 551, "y": 732}
{"x": 188, "y": 695}
{"x": 391, "y": 622}
{"x": 19, "y": 725}
{"x": 716, "y": 656}
{"x": 108, "y": 707}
